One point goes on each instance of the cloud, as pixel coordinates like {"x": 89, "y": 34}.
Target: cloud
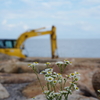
{"x": 4, "y": 22}
{"x": 10, "y": 14}
{"x": 49, "y": 10}
{"x": 89, "y": 2}
{"x": 11, "y": 26}
{"x": 85, "y": 26}
{"x": 27, "y": 1}
{"x": 8, "y": 2}
{"x": 92, "y": 12}
{"x": 79, "y": 25}
{"x": 25, "y": 27}
{"x": 46, "y": 5}
{"x": 56, "y": 3}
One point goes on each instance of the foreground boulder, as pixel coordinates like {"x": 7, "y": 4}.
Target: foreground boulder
{"x": 96, "y": 82}
{"x": 71, "y": 97}
{"x": 3, "y": 92}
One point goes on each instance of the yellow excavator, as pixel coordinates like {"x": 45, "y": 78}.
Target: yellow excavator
{"x": 14, "y": 47}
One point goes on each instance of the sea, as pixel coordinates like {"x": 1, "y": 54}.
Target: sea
{"x": 70, "y": 48}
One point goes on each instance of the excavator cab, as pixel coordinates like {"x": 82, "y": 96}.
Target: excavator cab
{"x": 7, "y": 43}
{"x": 7, "y": 46}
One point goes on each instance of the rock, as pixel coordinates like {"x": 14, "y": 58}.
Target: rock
{"x": 15, "y": 91}
{"x": 43, "y": 60}
{"x": 3, "y": 92}
{"x": 23, "y": 67}
{"x": 86, "y": 91}
{"x": 74, "y": 96}
{"x": 96, "y": 82}
{"x": 14, "y": 66}
{"x": 17, "y": 78}
{"x": 9, "y": 66}
{"x": 85, "y": 82}
{"x": 80, "y": 97}
{"x": 34, "y": 88}
{"x": 25, "y": 74}
{"x": 4, "y": 57}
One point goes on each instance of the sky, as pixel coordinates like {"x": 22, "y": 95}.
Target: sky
{"x": 74, "y": 19}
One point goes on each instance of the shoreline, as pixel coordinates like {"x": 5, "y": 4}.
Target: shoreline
{"x": 73, "y": 60}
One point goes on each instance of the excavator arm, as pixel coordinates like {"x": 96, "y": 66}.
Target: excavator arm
{"x": 34, "y": 33}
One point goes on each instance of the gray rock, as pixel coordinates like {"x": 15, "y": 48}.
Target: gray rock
{"x": 3, "y": 92}
{"x": 80, "y": 97}
{"x": 74, "y": 96}
{"x": 15, "y": 91}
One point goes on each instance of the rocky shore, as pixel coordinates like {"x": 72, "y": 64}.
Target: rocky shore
{"x": 18, "y": 81}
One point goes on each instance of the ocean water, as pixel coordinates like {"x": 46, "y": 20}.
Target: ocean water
{"x": 84, "y": 48}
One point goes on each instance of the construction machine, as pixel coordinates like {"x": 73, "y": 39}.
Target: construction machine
{"x": 14, "y": 47}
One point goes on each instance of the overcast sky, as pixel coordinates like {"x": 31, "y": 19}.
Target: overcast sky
{"x": 73, "y": 18}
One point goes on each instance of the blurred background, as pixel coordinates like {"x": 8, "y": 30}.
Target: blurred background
{"x": 77, "y": 23}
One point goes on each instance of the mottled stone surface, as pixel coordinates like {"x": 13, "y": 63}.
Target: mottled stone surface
{"x": 71, "y": 97}
{"x": 96, "y": 82}
{"x": 3, "y": 92}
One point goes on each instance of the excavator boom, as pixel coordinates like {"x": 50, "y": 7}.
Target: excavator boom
{"x": 29, "y": 34}
{"x": 16, "y": 49}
